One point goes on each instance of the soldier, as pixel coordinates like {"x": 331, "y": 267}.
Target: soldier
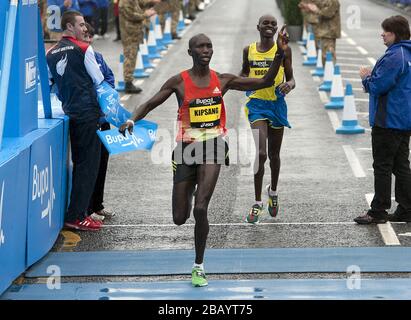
{"x": 310, "y": 22}
{"x": 175, "y": 7}
{"x": 132, "y": 15}
{"x": 169, "y": 6}
{"x": 328, "y": 28}
{"x": 192, "y": 4}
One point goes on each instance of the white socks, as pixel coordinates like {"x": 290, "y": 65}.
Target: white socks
{"x": 260, "y": 203}
{"x": 200, "y": 266}
{"x": 272, "y": 193}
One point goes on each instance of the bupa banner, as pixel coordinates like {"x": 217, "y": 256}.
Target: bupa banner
{"x": 108, "y": 99}
{"x": 143, "y": 138}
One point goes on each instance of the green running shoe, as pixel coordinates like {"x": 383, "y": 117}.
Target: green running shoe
{"x": 273, "y": 205}
{"x": 198, "y": 277}
{"x": 254, "y": 214}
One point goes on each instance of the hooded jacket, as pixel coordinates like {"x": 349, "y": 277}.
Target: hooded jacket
{"x": 389, "y": 86}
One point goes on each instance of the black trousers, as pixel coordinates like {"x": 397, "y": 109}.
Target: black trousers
{"x": 97, "y": 198}
{"x": 101, "y": 21}
{"x": 117, "y": 24}
{"x": 85, "y": 154}
{"x": 391, "y": 151}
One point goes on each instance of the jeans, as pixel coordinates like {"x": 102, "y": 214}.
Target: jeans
{"x": 391, "y": 151}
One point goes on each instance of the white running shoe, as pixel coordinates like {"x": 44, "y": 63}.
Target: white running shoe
{"x": 97, "y": 217}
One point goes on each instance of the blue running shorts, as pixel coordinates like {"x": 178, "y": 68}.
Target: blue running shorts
{"x": 275, "y": 112}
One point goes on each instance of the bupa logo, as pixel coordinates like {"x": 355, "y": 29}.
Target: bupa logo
{"x": 43, "y": 188}
{"x": 31, "y": 75}
{"x": 2, "y": 237}
{"x": 126, "y": 141}
{"x": 28, "y": 2}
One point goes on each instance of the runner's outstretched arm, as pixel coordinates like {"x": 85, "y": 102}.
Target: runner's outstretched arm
{"x": 168, "y": 88}
{"x": 233, "y": 82}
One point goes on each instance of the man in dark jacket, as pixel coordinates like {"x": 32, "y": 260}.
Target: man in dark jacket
{"x": 74, "y": 69}
{"x": 389, "y": 86}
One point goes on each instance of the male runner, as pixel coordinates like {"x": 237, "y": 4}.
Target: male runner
{"x": 201, "y": 148}
{"x": 267, "y": 111}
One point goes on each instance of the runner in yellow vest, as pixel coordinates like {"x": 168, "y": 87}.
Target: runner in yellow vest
{"x": 266, "y": 110}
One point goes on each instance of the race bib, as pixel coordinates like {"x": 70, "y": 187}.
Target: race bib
{"x": 260, "y": 68}
{"x": 205, "y": 112}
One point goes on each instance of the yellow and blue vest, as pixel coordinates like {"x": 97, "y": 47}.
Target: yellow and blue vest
{"x": 259, "y": 64}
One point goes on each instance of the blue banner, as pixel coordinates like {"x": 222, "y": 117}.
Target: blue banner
{"x": 143, "y": 138}
{"x": 109, "y": 103}
{"x": 46, "y": 206}
{"x": 14, "y": 181}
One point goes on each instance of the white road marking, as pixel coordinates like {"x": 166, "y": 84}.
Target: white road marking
{"x": 372, "y": 60}
{"x": 343, "y": 64}
{"x": 363, "y": 114}
{"x": 316, "y": 79}
{"x": 343, "y": 47}
{"x": 352, "y": 79}
{"x": 358, "y": 89}
{"x": 323, "y": 96}
{"x": 407, "y": 234}
{"x": 362, "y": 50}
{"x": 350, "y": 53}
{"x": 351, "y": 41}
{"x": 387, "y": 232}
{"x": 362, "y": 100}
{"x": 335, "y": 122}
{"x": 125, "y": 97}
{"x": 168, "y": 225}
{"x": 354, "y": 162}
{"x": 138, "y": 82}
{"x": 351, "y": 59}
{"x": 365, "y": 149}
{"x": 349, "y": 71}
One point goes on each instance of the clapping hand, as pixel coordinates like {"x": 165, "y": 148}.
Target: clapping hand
{"x": 364, "y": 72}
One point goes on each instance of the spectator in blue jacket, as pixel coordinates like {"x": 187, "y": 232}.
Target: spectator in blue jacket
{"x": 96, "y": 208}
{"x": 101, "y": 19}
{"x": 88, "y": 8}
{"x": 65, "y": 5}
{"x": 389, "y": 87}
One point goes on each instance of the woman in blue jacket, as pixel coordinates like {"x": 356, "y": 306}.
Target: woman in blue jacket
{"x": 389, "y": 87}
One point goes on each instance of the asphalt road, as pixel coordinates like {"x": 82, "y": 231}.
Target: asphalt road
{"x": 321, "y": 187}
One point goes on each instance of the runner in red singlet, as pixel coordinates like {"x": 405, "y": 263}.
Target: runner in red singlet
{"x": 201, "y": 148}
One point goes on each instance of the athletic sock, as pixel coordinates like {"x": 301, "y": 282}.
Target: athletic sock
{"x": 273, "y": 192}
{"x": 196, "y": 265}
{"x": 260, "y": 203}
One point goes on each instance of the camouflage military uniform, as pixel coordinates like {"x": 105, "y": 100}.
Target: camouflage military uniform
{"x": 169, "y": 6}
{"x": 328, "y": 28}
{"x": 311, "y": 20}
{"x": 162, "y": 8}
{"x": 175, "y": 7}
{"x": 192, "y": 4}
{"x": 131, "y": 14}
